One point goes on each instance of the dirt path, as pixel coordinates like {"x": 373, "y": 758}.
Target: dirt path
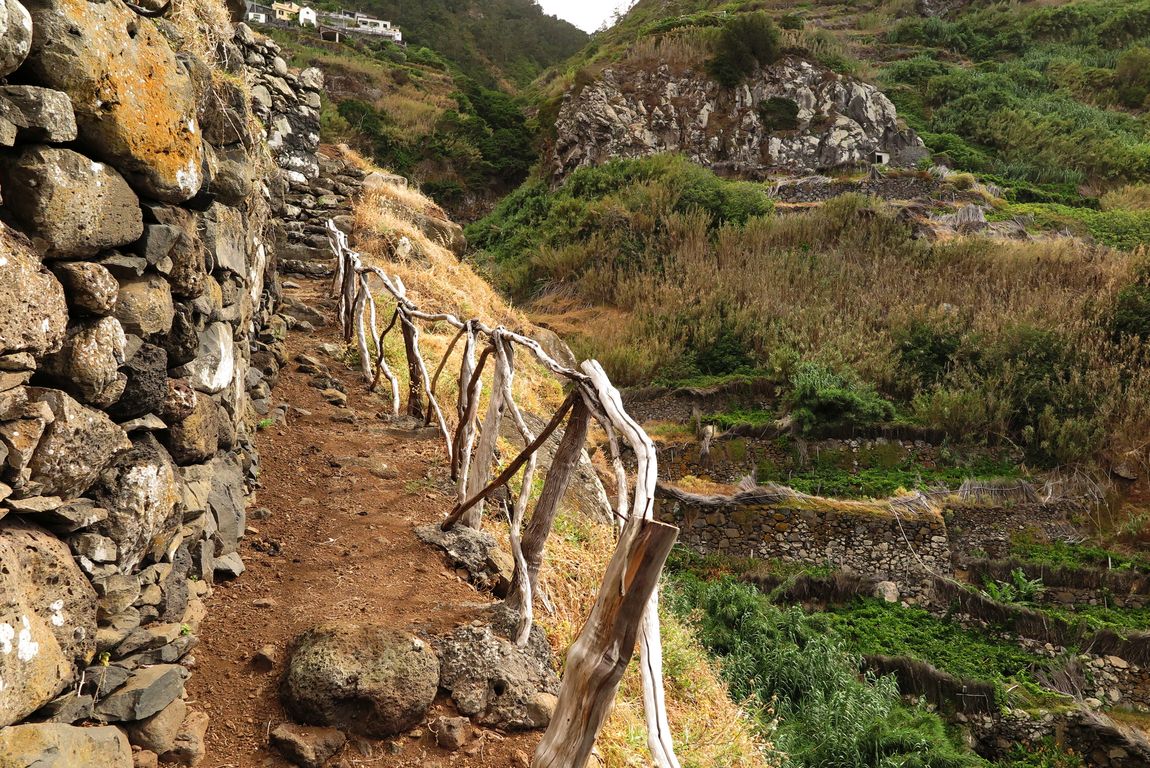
{"x": 337, "y": 544}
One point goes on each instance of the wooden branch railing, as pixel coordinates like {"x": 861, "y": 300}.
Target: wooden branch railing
{"x": 627, "y": 606}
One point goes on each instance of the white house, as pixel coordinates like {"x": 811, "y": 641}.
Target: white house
{"x": 308, "y": 17}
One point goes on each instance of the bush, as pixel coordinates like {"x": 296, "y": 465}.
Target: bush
{"x": 1019, "y": 590}
{"x": 821, "y": 399}
{"x": 1132, "y": 77}
{"x": 926, "y": 350}
{"x": 828, "y": 714}
{"x": 746, "y": 41}
{"x": 1132, "y": 312}
{"x": 779, "y": 114}
{"x": 791, "y": 21}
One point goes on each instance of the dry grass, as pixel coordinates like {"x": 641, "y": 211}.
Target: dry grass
{"x": 681, "y": 49}
{"x": 203, "y": 24}
{"x": 438, "y": 282}
{"x": 1132, "y": 197}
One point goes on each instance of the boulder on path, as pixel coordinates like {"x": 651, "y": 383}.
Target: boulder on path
{"x": 135, "y": 102}
{"x": 47, "y": 619}
{"x": 69, "y": 205}
{"x": 493, "y": 681}
{"x": 362, "y": 678}
{"x": 477, "y": 552}
{"x": 55, "y": 745}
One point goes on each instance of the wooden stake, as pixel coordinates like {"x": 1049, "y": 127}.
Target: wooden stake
{"x": 554, "y": 486}
{"x": 598, "y": 658}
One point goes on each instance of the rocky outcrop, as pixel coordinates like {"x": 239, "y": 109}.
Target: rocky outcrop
{"x": 792, "y": 116}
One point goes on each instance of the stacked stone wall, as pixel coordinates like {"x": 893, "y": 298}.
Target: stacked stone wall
{"x": 139, "y": 339}
{"x": 906, "y": 547}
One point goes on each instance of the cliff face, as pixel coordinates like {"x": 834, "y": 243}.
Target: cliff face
{"x": 791, "y": 116}
{"x": 139, "y": 337}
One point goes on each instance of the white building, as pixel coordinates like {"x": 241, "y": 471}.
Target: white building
{"x": 361, "y": 23}
{"x": 308, "y": 17}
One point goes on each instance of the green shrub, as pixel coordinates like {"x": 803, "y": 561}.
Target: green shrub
{"x": 1019, "y": 590}
{"x": 1132, "y": 312}
{"x": 821, "y": 399}
{"x": 1044, "y": 754}
{"x": 828, "y": 715}
{"x": 747, "y": 40}
{"x": 779, "y": 114}
{"x": 791, "y": 21}
{"x": 1132, "y": 77}
{"x": 926, "y": 350}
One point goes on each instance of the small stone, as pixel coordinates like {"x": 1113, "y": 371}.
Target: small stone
{"x": 229, "y": 566}
{"x": 266, "y": 658}
{"x": 145, "y": 694}
{"x": 265, "y": 602}
{"x": 158, "y": 732}
{"x": 450, "y": 733}
{"x": 145, "y": 759}
{"x": 307, "y": 746}
{"x": 335, "y": 397}
{"x": 189, "y": 745}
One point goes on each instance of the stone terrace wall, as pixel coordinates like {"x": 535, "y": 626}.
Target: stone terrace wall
{"x": 136, "y": 285}
{"x": 856, "y": 538}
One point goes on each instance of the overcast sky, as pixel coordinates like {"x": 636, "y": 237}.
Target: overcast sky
{"x": 588, "y": 15}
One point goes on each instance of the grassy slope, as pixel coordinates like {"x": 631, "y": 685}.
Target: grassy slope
{"x": 660, "y": 269}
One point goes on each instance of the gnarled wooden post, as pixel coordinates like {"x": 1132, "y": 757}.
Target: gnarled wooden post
{"x": 598, "y": 658}
{"x": 480, "y": 473}
{"x": 554, "y": 486}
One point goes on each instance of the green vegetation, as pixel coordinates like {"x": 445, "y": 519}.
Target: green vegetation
{"x": 875, "y": 627}
{"x": 746, "y": 42}
{"x": 822, "y": 399}
{"x": 495, "y": 42}
{"x": 1037, "y": 104}
{"x": 779, "y": 114}
{"x": 787, "y": 664}
{"x": 1125, "y": 229}
{"x": 1037, "y": 344}
{"x": 1061, "y": 554}
{"x": 416, "y": 114}
{"x": 1019, "y": 589}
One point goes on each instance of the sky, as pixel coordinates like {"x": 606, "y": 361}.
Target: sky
{"x": 588, "y": 15}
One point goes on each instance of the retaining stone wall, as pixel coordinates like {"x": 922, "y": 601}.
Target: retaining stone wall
{"x": 137, "y": 287}
{"x": 855, "y": 538}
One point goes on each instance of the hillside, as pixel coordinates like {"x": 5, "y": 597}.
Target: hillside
{"x": 414, "y": 112}
{"x": 1048, "y": 99}
{"x": 500, "y": 43}
{"x": 877, "y": 276}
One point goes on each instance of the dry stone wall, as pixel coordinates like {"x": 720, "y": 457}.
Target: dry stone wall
{"x": 139, "y": 338}
{"x": 906, "y": 547}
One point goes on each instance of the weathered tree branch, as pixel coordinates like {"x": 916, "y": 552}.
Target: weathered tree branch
{"x": 598, "y": 658}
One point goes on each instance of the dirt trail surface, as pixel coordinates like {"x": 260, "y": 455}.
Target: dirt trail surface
{"x": 343, "y": 490}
